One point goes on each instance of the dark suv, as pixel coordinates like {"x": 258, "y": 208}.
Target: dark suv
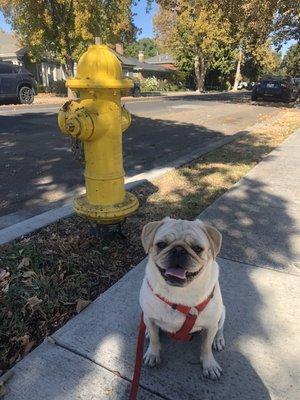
{"x": 16, "y": 84}
{"x": 278, "y": 88}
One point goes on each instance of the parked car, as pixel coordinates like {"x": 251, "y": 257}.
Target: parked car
{"x": 296, "y": 81}
{"x": 16, "y": 83}
{"x": 279, "y": 88}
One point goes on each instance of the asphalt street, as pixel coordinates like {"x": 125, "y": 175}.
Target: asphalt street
{"x": 37, "y": 168}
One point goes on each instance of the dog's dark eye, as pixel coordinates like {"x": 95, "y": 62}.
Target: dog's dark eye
{"x": 197, "y": 249}
{"x": 161, "y": 245}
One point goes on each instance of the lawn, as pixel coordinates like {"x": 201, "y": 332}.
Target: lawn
{"x": 50, "y": 276}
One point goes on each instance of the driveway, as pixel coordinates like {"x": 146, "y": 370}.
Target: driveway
{"x": 37, "y": 168}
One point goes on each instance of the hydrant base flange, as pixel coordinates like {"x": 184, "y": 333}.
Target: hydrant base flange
{"x": 106, "y": 214}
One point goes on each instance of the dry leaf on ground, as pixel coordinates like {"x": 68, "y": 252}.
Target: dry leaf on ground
{"x": 3, "y": 274}
{"x": 4, "y": 280}
{"x": 24, "y": 263}
{"x": 28, "y": 274}
{"x": 28, "y": 347}
{"x": 33, "y": 302}
{"x": 81, "y": 304}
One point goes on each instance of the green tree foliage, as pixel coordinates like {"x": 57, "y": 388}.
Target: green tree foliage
{"x": 193, "y": 31}
{"x": 287, "y": 22}
{"x": 291, "y": 61}
{"x": 147, "y": 45}
{"x": 264, "y": 62}
{"x": 62, "y": 29}
{"x": 201, "y": 31}
{"x": 253, "y": 23}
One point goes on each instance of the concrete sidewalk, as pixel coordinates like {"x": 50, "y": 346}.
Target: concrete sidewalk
{"x": 92, "y": 356}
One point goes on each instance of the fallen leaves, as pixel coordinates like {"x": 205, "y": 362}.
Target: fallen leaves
{"x": 3, "y": 274}
{"x": 33, "y": 303}
{"x": 24, "y": 263}
{"x": 28, "y": 347}
{"x": 81, "y": 305}
{"x": 3, "y": 379}
{"x": 23, "y": 345}
{"x": 4, "y": 280}
{"x": 28, "y": 274}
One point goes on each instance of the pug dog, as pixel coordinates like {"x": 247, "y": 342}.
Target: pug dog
{"x": 182, "y": 269}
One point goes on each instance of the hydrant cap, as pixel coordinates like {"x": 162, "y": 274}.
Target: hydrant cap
{"x": 99, "y": 68}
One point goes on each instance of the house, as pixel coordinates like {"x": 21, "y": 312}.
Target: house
{"x": 139, "y": 67}
{"x": 48, "y": 71}
{"x": 45, "y": 72}
{"x": 162, "y": 60}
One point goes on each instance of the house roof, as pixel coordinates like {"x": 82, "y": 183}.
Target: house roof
{"x": 124, "y": 60}
{"x": 161, "y": 59}
{"x": 9, "y": 45}
{"x": 146, "y": 66}
{"x": 137, "y": 65}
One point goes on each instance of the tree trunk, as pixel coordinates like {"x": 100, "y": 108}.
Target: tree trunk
{"x": 200, "y": 72}
{"x": 68, "y": 69}
{"x": 238, "y": 71}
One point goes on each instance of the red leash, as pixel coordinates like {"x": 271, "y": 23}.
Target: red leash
{"x": 138, "y": 360}
{"x": 183, "y": 334}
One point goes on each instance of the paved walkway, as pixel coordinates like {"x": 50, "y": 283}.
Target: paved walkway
{"x": 92, "y": 357}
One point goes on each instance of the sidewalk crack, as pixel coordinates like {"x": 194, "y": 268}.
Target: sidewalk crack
{"x": 51, "y": 340}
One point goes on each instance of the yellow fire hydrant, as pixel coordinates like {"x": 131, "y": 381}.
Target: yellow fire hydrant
{"x": 98, "y": 120}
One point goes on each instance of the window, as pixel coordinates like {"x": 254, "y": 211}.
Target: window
{"x": 5, "y": 68}
{"x": 15, "y": 69}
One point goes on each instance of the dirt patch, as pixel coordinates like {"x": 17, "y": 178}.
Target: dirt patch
{"x": 50, "y": 276}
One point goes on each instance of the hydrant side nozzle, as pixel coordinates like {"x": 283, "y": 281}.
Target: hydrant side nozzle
{"x": 78, "y": 124}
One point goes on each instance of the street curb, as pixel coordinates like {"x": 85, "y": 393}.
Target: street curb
{"x": 39, "y": 221}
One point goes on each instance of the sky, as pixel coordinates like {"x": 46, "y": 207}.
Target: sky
{"x": 3, "y": 24}
{"x": 142, "y": 20}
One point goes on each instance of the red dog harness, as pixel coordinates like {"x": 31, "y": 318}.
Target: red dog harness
{"x": 184, "y": 334}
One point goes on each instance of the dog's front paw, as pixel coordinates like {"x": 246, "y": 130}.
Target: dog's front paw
{"x": 211, "y": 369}
{"x": 219, "y": 343}
{"x": 151, "y": 358}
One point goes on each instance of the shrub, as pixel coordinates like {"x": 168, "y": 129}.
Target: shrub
{"x": 43, "y": 89}
{"x": 151, "y": 84}
{"x": 59, "y": 88}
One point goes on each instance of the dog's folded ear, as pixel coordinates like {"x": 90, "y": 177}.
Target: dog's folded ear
{"x": 148, "y": 234}
{"x": 214, "y": 237}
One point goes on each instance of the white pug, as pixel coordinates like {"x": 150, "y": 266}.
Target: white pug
{"x": 182, "y": 270}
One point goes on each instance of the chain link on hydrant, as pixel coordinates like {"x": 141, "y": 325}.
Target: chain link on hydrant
{"x": 77, "y": 150}
{"x": 96, "y": 122}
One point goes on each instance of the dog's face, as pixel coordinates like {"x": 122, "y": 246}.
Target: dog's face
{"x": 181, "y": 249}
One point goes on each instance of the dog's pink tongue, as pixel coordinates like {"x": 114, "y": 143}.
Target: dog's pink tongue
{"x": 177, "y": 272}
